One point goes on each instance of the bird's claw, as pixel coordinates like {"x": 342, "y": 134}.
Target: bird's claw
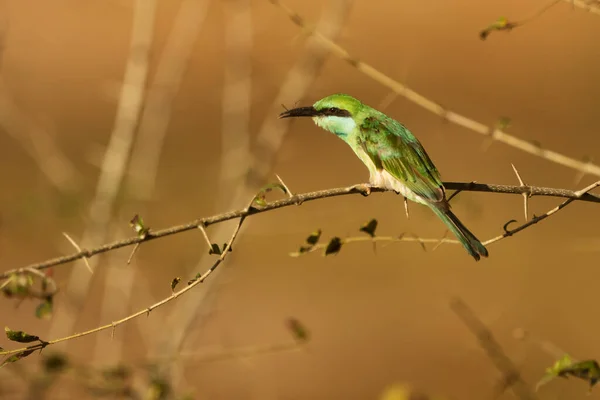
{"x": 363, "y": 188}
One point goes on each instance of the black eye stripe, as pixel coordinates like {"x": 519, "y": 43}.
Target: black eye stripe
{"x": 335, "y": 112}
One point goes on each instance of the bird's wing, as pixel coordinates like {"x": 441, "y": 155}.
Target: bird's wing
{"x": 394, "y": 148}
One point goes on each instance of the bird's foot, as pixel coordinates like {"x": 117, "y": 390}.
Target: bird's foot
{"x": 363, "y": 188}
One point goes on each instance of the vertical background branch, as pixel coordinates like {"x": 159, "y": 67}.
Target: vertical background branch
{"x": 145, "y": 161}
{"x": 37, "y": 142}
{"x": 269, "y": 140}
{"x": 114, "y": 164}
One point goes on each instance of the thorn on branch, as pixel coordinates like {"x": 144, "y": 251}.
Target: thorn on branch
{"x": 285, "y": 188}
{"x": 581, "y": 174}
{"x": 526, "y": 195}
{"x": 85, "y": 258}
{"x": 508, "y": 232}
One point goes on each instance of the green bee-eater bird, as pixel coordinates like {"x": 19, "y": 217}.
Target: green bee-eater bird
{"x": 395, "y": 158}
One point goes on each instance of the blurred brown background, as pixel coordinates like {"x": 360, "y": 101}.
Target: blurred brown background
{"x": 375, "y": 319}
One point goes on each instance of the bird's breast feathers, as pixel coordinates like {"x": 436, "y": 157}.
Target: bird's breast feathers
{"x": 382, "y": 178}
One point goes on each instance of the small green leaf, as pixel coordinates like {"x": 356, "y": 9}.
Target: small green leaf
{"x": 194, "y": 279}
{"x": 260, "y": 200}
{"x": 19, "y": 336}
{"x": 215, "y": 249}
{"x": 16, "y": 357}
{"x": 137, "y": 223}
{"x": 44, "y": 309}
{"x": 334, "y": 246}
{"x": 588, "y": 370}
{"x": 501, "y": 24}
{"x": 369, "y": 228}
{"x": 260, "y": 196}
{"x": 18, "y": 285}
{"x": 503, "y": 123}
{"x": 298, "y": 330}
{"x": 174, "y": 283}
{"x": 314, "y": 237}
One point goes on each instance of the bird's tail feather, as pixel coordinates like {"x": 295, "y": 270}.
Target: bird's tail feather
{"x": 475, "y": 248}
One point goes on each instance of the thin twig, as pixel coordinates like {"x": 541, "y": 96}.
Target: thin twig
{"x": 301, "y": 198}
{"x": 74, "y": 243}
{"x": 430, "y": 105}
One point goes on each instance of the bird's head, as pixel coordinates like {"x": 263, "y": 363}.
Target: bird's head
{"x": 334, "y": 113}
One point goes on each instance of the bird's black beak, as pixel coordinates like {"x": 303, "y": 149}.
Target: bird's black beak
{"x": 299, "y": 112}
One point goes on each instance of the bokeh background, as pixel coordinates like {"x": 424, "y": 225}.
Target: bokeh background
{"x": 375, "y": 318}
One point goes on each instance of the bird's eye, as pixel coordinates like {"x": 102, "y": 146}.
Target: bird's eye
{"x": 332, "y": 109}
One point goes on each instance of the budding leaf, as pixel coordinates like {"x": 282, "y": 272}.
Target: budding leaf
{"x": 194, "y": 279}
{"x": 369, "y": 228}
{"x": 19, "y": 336}
{"x": 501, "y": 24}
{"x": 298, "y": 330}
{"x": 588, "y": 370}
{"x": 18, "y": 285}
{"x": 314, "y": 237}
{"x": 260, "y": 196}
{"x": 137, "y": 223}
{"x": 174, "y": 283}
{"x": 503, "y": 123}
{"x": 44, "y": 309}
{"x": 334, "y": 246}
{"x": 16, "y": 357}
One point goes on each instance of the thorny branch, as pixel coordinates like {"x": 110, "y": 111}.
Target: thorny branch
{"x": 298, "y": 199}
{"x": 255, "y": 207}
{"x": 146, "y": 311}
{"x": 507, "y": 232}
{"x": 493, "y": 133}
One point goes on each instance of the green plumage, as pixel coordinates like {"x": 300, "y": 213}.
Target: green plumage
{"x": 394, "y": 156}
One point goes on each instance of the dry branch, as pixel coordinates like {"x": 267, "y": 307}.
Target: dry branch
{"x": 252, "y": 209}
{"x": 297, "y": 199}
{"x": 146, "y": 311}
{"x": 422, "y": 241}
{"x": 492, "y": 132}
